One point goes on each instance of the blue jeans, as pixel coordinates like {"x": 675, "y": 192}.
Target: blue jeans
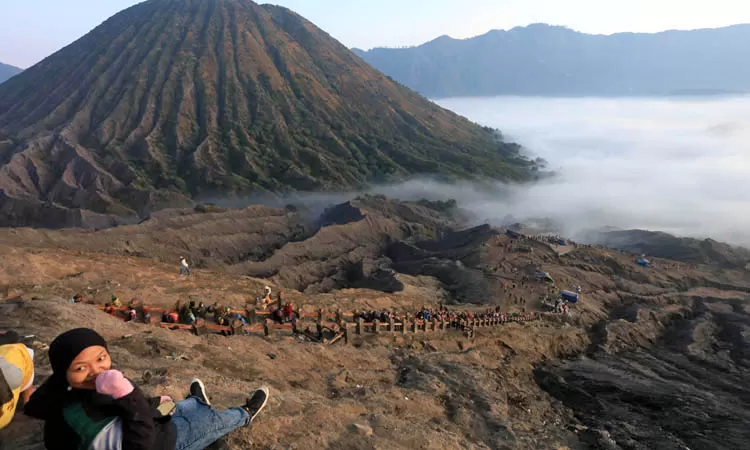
{"x": 198, "y": 425}
{"x": 185, "y": 270}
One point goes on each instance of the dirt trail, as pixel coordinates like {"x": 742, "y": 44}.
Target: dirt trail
{"x": 509, "y": 388}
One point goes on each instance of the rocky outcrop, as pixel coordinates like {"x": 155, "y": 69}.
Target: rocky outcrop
{"x": 663, "y": 380}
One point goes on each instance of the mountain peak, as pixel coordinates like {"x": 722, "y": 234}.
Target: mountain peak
{"x": 170, "y": 100}
{"x": 7, "y": 71}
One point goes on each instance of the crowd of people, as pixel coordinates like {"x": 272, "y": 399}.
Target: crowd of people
{"x": 188, "y": 313}
{"x": 550, "y": 239}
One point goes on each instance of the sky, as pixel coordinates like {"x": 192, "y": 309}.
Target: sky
{"x": 30, "y": 30}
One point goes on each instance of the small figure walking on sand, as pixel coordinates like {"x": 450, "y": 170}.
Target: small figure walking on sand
{"x": 184, "y": 268}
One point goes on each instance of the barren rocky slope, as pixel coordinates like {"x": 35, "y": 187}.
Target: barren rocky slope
{"x": 650, "y": 358}
{"x": 174, "y": 99}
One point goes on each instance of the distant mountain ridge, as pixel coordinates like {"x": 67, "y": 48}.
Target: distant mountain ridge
{"x": 550, "y": 60}
{"x": 171, "y": 100}
{"x": 664, "y": 245}
{"x": 7, "y": 71}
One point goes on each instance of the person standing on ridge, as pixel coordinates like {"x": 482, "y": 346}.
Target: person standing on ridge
{"x": 184, "y": 268}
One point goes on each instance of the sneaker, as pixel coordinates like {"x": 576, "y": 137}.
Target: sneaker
{"x": 256, "y": 402}
{"x": 198, "y": 389}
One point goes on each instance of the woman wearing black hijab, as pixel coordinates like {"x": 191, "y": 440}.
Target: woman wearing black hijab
{"x": 87, "y": 405}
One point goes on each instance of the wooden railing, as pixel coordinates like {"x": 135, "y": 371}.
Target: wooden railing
{"x": 339, "y": 325}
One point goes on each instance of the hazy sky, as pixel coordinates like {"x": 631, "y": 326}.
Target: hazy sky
{"x": 33, "y": 29}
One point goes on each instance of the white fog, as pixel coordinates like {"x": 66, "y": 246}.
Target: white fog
{"x": 674, "y": 165}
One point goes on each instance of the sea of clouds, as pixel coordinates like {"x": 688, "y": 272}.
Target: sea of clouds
{"x": 680, "y": 165}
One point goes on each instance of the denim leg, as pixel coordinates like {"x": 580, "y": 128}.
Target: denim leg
{"x": 199, "y": 426}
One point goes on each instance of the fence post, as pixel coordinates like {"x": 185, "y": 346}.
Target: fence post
{"x": 154, "y": 318}
{"x": 199, "y": 327}
{"x": 391, "y": 325}
{"x": 345, "y": 329}
{"x": 360, "y": 325}
{"x": 339, "y": 315}
{"x": 376, "y": 326}
{"x": 236, "y": 327}
{"x": 266, "y": 328}
{"x": 140, "y": 314}
{"x": 414, "y": 326}
{"x": 321, "y": 315}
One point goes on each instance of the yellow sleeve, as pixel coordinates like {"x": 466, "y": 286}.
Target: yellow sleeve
{"x": 21, "y": 357}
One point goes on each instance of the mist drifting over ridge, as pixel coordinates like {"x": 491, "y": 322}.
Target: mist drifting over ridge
{"x": 676, "y": 165}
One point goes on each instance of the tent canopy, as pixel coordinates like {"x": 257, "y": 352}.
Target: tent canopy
{"x": 570, "y": 297}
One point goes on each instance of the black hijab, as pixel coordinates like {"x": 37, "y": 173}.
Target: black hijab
{"x": 53, "y": 393}
{"x": 70, "y": 344}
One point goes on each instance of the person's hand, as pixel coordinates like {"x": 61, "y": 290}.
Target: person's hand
{"x": 165, "y": 399}
{"x": 114, "y": 384}
{"x": 26, "y": 395}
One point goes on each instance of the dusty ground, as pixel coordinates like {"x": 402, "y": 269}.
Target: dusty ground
{"x": 513, "y": 387}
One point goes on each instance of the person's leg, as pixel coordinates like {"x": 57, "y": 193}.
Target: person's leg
{"x": 198, "y": 425}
